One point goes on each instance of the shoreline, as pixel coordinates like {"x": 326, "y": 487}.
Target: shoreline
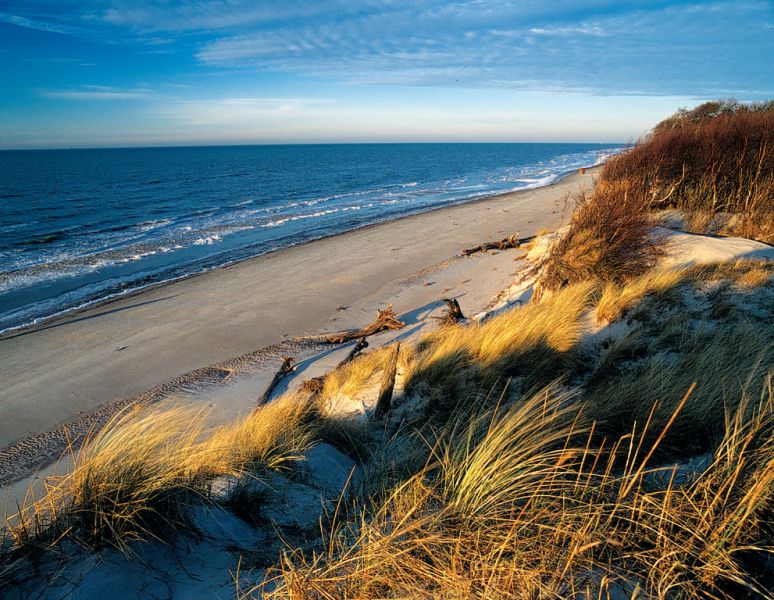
{"x": 42, "y": 322}
{"x": 75, "y": 368}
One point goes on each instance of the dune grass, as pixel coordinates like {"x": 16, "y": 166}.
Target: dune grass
{"x": 354, "y": 376}
{"x": 618, "y": 299}
{"x": 722, "y": 360}
{"x": 131, "y": 480}
{"x": 520, "y": 503}
{"x": 273, "y": 437}
{"x": 485, "y": 496}
{"x": 711, "y": 324}
{"x": 137, "y": 477}
{"x": 536, "y": 342}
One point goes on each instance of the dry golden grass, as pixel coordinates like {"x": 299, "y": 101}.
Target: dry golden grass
{"x": 543, "y": 496}
{"x": 355, "y": 376}
{"x": 520, "y": 504}
{"x": 617, "y": 299}
{"x": 722, "y": 360}
{"x": 131, "y": 480}
{"x": 273, "y": 437}
{"x": 535, "y": 341}
{"x": 136, "y": 477}
{"x": 757, "y": 275}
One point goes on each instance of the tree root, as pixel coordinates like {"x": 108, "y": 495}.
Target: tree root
{"x": 385, "y": 319}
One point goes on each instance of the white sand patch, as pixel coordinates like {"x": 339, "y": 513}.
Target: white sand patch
{"x": 688, "y": 249}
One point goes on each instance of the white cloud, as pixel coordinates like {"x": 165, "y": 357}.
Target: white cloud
{"x": 97, "y": 92}
{"x": 571, "y": 30}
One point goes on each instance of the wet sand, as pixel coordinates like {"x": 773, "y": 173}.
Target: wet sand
{"x": 222, "y": 320}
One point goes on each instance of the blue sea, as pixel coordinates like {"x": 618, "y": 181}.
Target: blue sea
{"x": 79, "y": 226}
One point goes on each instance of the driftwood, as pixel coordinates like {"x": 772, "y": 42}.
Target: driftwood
{"x": 361, "y": 345}
{"x": 384, "y": 401}
{"x": 512, "y": 241}
{"x": 286, "y": 367}
{"x": 453, "y": 312}
{"x": 385, "y": 319}
{"x": 314, "y": 385}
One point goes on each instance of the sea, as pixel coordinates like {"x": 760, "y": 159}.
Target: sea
{"x": 83, "y": 225}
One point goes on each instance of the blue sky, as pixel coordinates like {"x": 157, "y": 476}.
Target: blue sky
{"x": 123, "y": 72}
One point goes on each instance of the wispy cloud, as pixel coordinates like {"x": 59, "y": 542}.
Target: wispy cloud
{"x": 98, "y": 93}
{"x": 612, "y": 52}
{"x": 241, "y": 111}
{"x": 568, "y": 30}
{"x": 44, "y": 22}
{"x": 604, "y": 46}
{"x": 300, "y": 70}
{"x": 56, "y": 60}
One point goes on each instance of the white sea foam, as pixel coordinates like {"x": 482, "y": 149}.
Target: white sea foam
{"x": 208, "y": 239}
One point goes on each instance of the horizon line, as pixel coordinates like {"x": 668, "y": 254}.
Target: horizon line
{"x": 269, "y": 144}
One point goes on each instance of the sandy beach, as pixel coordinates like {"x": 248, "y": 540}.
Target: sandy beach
{"x": 252, "y": 311}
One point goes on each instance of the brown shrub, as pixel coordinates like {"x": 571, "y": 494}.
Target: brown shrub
{"x": 610, "y": 238}
{"x": 716, "y": 158}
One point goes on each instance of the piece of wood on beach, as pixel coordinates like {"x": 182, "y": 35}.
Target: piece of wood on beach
{"x": 384, "y": 401}
{"x": 512, "y": 241}
{"x": 285, "y": 368}
{"x": 361, "y": 345}
{"x": 385, "y": 319}
{"x": 453, "y": 313}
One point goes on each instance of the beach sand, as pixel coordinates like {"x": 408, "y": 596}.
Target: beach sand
{"x": 242, "y": 317}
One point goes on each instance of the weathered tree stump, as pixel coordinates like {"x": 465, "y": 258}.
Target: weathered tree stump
{"x": 453, "y": 312}
{"x": 385, "y": 319}
{"x": 512, "y": 241}
{"x": 285, "y": 368}
{"x": 384, "y": 401}
{"x": 361, "y": 345}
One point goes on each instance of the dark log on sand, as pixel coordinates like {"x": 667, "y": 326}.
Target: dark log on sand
{"x": 286, "y": 367}
{"x": 512, "y": 241}
{"x": 361, "y": 345}
{"x": 385, "y": 319}
{"x": 384, "y": 401}
{"x": 314, "y": 385}
{"x": 453, "y": 312}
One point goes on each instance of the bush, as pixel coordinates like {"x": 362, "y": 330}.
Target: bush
{"x": 610, "y": 238}
{"x": 716, "y": 158}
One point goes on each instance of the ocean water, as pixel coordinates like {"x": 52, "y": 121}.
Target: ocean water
{"x": 77, "y": 226}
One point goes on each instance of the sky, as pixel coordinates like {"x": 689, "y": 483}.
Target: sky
{"x": 81, "y": 73}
